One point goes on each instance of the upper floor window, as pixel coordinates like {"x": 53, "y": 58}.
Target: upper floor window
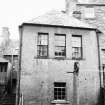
{"x": 42, "y": 45}
{"x": 59, "y": 91}
{"x": 76, "y": 46}
{"x": 60, "y": 45}
{"x": 89, "y": 12}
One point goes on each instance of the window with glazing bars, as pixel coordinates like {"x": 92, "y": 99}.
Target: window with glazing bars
{"x": 60, "y": 45}
{"x": 89, "y": 12}
{"x": 42, "y": 45}
{"x": 59, "y": 91}
{"x": 76, "y": 46}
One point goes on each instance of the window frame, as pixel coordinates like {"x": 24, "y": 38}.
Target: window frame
{"x": 103, "y": 50}
{"x": 56, "y": 56}
{"x": 3, "y": 67}
{"x": 38, "y": 45}
{"x": 63, "y": 87}
{"x": 81, "y": 48}
{"x": 103, "y": 53}
{"x": 86, "y": 16}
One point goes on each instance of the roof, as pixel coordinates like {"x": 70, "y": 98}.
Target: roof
{"x": 59, "y": 18}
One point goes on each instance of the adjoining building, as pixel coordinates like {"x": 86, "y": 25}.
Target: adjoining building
{"x": 9, "y": 49}
{"x": 92, "y": 12}
{"x": 9, "y": 52}
{"x": 50, "y": 46}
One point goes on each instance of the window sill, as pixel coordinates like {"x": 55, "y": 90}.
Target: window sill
{"x": 60, "y": 102}
{"x": 40, "y": 57}
{"x": 88, "y": 18}
{"x": 60, "y": 58}
{"x": 78, "y": 59}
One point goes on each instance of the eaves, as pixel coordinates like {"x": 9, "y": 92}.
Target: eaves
{"x": 59, "y": 26}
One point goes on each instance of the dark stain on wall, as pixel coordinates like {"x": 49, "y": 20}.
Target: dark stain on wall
{"x": 101, "y": 96}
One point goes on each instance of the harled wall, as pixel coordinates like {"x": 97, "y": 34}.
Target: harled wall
{"x": 39, "y": 75}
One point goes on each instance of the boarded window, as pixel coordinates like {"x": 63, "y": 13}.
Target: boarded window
{"x": 89, "y": 12}
{"x": 59, "y": 91}
{"x": 60, "y": 45}
{"x": 76, "y": 47}
{"x": 42, "y": 49}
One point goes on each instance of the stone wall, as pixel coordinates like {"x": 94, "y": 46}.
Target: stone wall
{"x": 98, "y": 21}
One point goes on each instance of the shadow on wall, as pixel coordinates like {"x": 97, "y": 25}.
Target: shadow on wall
{"x": 91, "y": 100}
{"x": 101, "y": 97}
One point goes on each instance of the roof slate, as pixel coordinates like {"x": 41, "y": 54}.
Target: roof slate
{"x": 59, "y": 18}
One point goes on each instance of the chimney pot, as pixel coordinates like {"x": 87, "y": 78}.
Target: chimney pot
{"x": 77, "y": 14}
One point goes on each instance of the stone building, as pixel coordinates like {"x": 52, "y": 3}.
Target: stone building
{"x": 9, "y": 51}
{"x": 50, "y": 46}
{"x": 92, "y": 12}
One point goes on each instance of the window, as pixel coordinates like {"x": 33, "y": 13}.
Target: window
{"x": 103, "y": 50}
{"x": 42, "y": 45}
{"x": 103, "y": 53}
{"x": 60, "y": 45}
{"x": 59, "y": 91}
{"x": 89, "y": 12}
{"x": 3, "y": 67}
{"x": 76, "y": 47}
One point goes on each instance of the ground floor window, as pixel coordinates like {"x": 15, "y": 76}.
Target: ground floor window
{"x": 59, "y": 91}
{"x": 3, "y": 67}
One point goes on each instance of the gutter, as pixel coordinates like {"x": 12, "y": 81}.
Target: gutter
{"x": 62, "y": 26}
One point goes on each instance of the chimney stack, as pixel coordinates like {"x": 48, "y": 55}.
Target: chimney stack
{"x": 70, "y": 6}
{"x": 5, "y": 32}
{"x": 6, "y": 36}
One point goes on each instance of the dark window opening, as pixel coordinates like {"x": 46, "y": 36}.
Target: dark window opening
{"x": 3, "y": 67}
{"x": 59, "y": 91}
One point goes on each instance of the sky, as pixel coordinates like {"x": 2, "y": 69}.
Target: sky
{"x": 14, "y": 12}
